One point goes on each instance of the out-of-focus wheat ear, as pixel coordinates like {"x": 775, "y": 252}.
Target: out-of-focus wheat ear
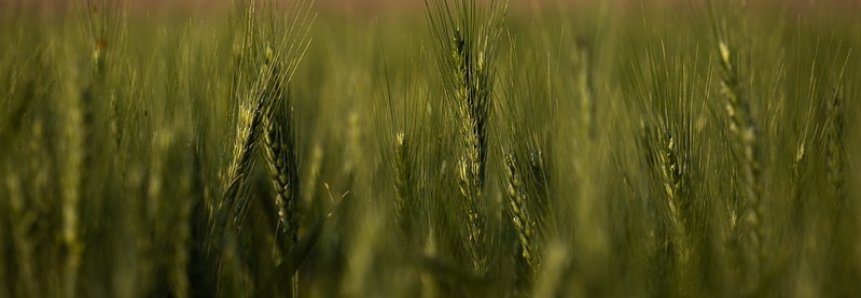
{"x": 836, "y": 153}
{"x": 175, "y": 153}
{"x": 403, "y": 176}
{"x": 76, "y": 134}
{"x": 309, "y": 187}
{"x": 797, "y": 174}
{"x": 743, "y": 127}
{"x": 517, "y": 206}
{"x": 180, "y": 280}
{"x": 21, "y": 223}
{"x": 233, "y": 277}
{"x": 354, "y": 143}
{"x": 584, "y": 86}
{"x": 79, "y": 134}
{"x": 746, "y": 136}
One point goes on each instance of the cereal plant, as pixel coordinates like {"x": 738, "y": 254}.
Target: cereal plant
{"x": 429, "y": 148}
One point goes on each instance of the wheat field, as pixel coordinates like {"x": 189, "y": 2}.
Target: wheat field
{"x": 462, "y": 148}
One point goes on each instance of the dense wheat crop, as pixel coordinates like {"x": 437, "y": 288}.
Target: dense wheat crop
{"x": 463, "y": 148}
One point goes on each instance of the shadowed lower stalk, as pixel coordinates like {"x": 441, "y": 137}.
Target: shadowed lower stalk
{"x": 551, "y": 277}
{"x": 80, "y": 134}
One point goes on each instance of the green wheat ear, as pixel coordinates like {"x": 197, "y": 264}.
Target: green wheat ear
{"x": 746, "y": 142}
{"x": 283, "y": 169}
{"x": 835, "y": 146}
{"x": 403, "y": 175}
{"x": 468, "y": 39}
{"x": 520, "y": 211}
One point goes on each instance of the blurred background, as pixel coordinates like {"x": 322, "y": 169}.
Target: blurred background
{"x": 372, "y": 8}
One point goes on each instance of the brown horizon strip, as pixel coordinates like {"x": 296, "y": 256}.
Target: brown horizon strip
{"x": 375, "y": 7}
